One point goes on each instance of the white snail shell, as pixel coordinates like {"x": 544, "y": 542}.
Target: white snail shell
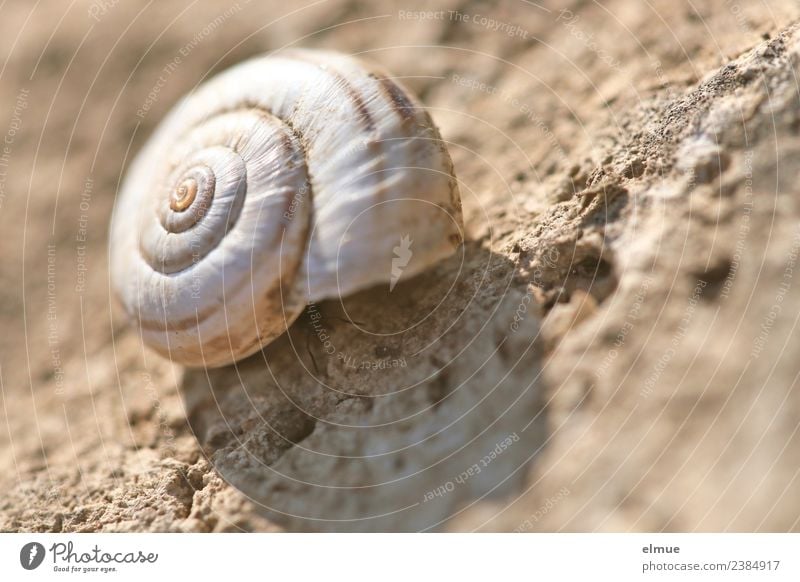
{"x": 285, "y": 180}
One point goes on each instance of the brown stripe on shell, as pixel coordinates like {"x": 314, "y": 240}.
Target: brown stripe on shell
{"x": 361, "y": 107}
{"x": 352, "y": 93}
{"x": 247, "y": 105}
{"x": 179, "y": 325}
{"x": 401, "y": 103}
{"x": 223, "y": 343}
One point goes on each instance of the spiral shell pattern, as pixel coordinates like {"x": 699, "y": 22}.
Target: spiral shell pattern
{"x": 285, "y": 180}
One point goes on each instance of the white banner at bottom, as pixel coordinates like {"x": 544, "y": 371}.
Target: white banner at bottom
{"x": 401, "y": 557}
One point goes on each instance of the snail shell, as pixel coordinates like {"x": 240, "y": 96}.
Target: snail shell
{"x": 285, "y": 180}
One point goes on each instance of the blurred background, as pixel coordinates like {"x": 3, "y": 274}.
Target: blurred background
{"x": 623, "y": 323}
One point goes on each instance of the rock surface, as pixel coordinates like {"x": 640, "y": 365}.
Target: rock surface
{"x": 614, "y": 349}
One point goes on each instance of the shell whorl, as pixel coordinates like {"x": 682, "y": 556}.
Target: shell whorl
{"x": 284, "y": 180}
